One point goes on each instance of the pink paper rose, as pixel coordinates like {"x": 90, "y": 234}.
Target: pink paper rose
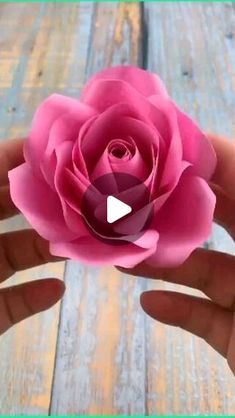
{"x": 124, "y": 122}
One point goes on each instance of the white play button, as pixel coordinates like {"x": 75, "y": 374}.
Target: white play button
{"x": 116, "y": 209}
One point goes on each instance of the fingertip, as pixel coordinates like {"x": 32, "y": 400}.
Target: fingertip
{"x": 58, "y": 283}
{"x": 133, "y": 271}
{"x": 121, "y": 269}
{"x": 144, "y": 298}
{"x": 44, "y": 293}
{"x": 157, "y": 304}
{"x": 125, "y": 270}
{"x": 54, "y": 288}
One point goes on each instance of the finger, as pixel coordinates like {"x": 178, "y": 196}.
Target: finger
{"x": 21, "y": 250}
{"x": 20, "y": 302}
{"x": 210, "y": 271}
{"x": 231, "y": 348}
{"x": 225, "y": 168}
{"x": 11, "y": 155}
{"x": 196, "y": 315}
{"x": 7, "y": 207}
{"x": 224, "y": 210}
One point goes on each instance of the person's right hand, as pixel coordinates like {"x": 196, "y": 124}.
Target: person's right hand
{"x": 210, "y": 271}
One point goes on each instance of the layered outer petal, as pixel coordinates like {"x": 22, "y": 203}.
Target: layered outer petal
{"x": 40, "y": 205}
{"x": 70, "y": 187}
{"x": 64, "y": 162}
{"x": 144, "y": 82}
{"x": 104, "y": 94}
{"x": 173, "y": 161}
{"x": 136, "y": 222}
{"x": 46, "y": 115}
{"x": 66, "y": 128}
{"x": 92, "y": 251}
{"x": 184, "y": 222}
{"x": 160, "y": 200}
{"x": 47, "y": 169}
{"x": 197, "y": 149}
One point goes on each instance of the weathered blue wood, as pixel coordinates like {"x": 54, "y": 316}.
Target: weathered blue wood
{"x": 101, "y": 365}
{"x": 111, "y": 359}
{"x": 38, "y": 47}
{"x": 191, "y": 46}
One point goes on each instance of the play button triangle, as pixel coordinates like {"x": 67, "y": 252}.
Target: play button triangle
{"x": 116, "y": 209}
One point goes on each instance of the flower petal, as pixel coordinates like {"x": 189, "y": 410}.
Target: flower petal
{"x": 144, "y": 82}
{"x": 184, "y": 222}
{"x": 94, "y": 252}
{"x": 134, "y": 166}
{"x": 48, "y": 112}
{"x": 40, "y": 205}
{"x": 66, "y": 194}
{"x": 197, "y": 149}
{"x": 121, "y": 121}
{"x": 103, "y": 94}
{"x": 102, "y": 167}
{"x": 170, "y": 166}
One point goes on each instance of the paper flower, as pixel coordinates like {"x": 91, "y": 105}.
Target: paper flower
{"x": 125, "y": 122}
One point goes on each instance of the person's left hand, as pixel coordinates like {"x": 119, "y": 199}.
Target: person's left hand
{"x": 20, "y": 250}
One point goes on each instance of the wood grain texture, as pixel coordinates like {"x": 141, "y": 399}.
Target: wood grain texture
{"x": 96, "y": 372}
{"x": 191, "y": 47}
{"x": 28, "y": 73}
{"x": 116, "y": 360}
{"x": 109, "y": 357}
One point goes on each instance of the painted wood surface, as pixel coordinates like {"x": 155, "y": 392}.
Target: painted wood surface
{"x": 27, "y": 351}
{"x": 103, "y": 355}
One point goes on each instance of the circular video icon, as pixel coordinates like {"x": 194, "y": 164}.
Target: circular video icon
{"x": 116, "y": 208}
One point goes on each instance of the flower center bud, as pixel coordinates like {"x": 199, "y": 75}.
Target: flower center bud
{"x": 121, "y": 149}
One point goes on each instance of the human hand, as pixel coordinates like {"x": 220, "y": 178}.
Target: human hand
{"x": 210, "y": 271}
{"x": 20, "y": 250}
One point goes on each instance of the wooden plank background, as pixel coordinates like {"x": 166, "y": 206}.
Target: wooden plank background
{"x": 98, "y": 353}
